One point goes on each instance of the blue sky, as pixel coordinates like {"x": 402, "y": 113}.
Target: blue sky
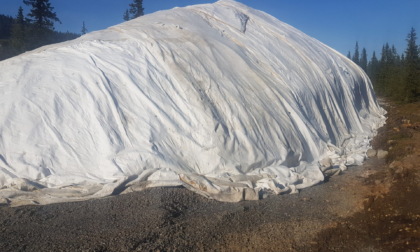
{"x": 337, "y": 23}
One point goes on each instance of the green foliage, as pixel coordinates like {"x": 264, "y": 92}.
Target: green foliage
{"x": 42, "y": 14}
{"x": 20, "y": 34}
{"x": 412, "y": 68}
{"x": 126, "y": 15}
{"x": 135, "y": 10}
{"x": 6, "y": 23}
{"x": 356, "y": 55}
{"x": 373, "y": 67}
{"x": 393, "y": 76}
{"x": 84, "y": 29}
{"x": 389, "y": 75}
{"x": 363, "y": 60}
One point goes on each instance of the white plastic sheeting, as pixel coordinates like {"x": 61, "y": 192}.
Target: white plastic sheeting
{"x": 221, "y": 98}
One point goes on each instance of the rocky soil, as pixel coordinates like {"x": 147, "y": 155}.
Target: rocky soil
{"x": 374, "y": 207}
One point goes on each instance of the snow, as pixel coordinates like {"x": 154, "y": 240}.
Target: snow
{"x": 220, "y": 98}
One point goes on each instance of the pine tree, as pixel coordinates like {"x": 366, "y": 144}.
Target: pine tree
{"x": 384, "y": 73}
{"x": 390, "y": 81}
{"x": 136, "y": 9}
{"x": 18, "y": 32}
{"x": 42, "y": 14}
{"x": 41, "y": 27}
{"x": 356, "y": 55}
{"x": 372, "y": 69}
{"x": 412, "y": 68}
{"x": 126, "y": 15}
{"x": 395, "y": 55}
{"x": 20, "y": 18}
{"x": 6, "y": 23}
{"x": 6, "y": 29}
{"x": 363, "y": 60}
{"x": 84, "y": 29}
{"x": 349, "y": 55}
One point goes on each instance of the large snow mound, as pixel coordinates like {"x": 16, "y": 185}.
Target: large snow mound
{"x": 221, "y": 98}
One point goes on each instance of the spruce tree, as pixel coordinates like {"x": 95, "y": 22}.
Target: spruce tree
{"x": 6, "y": 23}
{"x": 84, "y": 29}
{"x": 18, "y": 32}
{"x": 390, "y": 75}
{"x": 41, "y": 28}
{"x": 384, "y": 74}
{"x": 363, "y": 60}
{"x": 356, "y": 55}
{"x": 42, "y": 14}
{"x": 126, "y": 15}
{"x": 412, "y": 68}
{"x": 20, "y": 18}
{"x": 372, "y": 70}
{"x": 136, "y": 9}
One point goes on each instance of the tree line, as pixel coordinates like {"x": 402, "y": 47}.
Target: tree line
{"x": 27, "y": 32}
{"x": 393, "y": 75}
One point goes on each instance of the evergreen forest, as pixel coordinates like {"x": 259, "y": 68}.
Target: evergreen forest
{"x": 23, "y": 33}
{"x": 26, "y": 32}
{"x": 394, "y": 76}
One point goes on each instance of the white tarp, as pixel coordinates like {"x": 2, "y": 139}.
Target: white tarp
{"x": 221, "y": 98}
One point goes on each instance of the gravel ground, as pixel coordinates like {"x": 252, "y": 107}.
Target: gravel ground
{"x": 175, "y": 219}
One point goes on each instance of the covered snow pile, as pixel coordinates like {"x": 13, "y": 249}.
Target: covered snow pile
{"x": 221, "y": 98}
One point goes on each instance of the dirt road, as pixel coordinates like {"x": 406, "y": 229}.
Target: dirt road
{"x": 375, "y": 207}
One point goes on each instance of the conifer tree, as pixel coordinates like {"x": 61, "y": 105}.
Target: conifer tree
{"x": 136, "y": 10}
{"x": 373, "y": 68}
{"x": 42, "y": 14}
{"x": 390, "y": 81}
{"x": 356, "y": 55}
{"x": 84, "y": 29}
{"x": 397, "y": 76}
{"x": 412, "y": 68}
{"x": 18, "y": 32}
{"x": 384, "y": 71}
{"x": 126, "y": 15}
{"x": 363, "y": 60}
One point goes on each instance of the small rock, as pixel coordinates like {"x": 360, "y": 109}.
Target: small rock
{"x": 371, "y": 153}
{"x": 382, "y": 154}
{"x": 395, "y": 164}
{"x": 390, "y": 142}
{"x": 251, "y": 194}
{"x": 4, "y": 201}
{"x": 399, "y": 170}
{"x": 332, "y": 172}
{"x": 408, "y": 165}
